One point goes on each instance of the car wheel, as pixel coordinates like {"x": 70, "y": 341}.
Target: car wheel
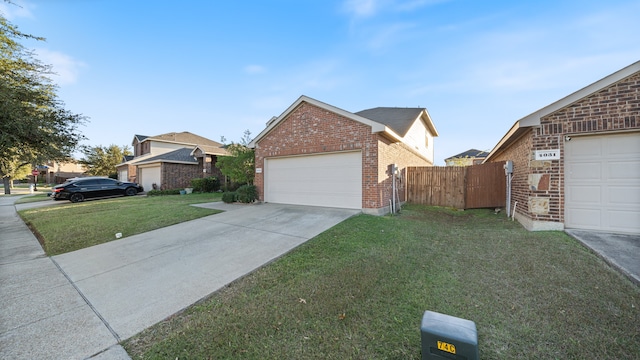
{"x": 131, "y": 191}
{"x": 77, "y": 197}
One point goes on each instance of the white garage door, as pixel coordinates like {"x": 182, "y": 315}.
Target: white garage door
{"x": 332, "y": 180}
{"x": 602, "y": 177}
{"x": 149, "y": 176}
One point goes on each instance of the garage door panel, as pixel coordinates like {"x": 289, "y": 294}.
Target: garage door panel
{"x": 585, "y": 171}
{"x": 623, "y": 196}
{"x": 624, "y": 170}
{"x": 602, "y": 188}
{"x": 149, "y": 176}
{"x": 624, "y": 220}
{"x": 585, "y": 218}
{"x": 585, "y": 148}
{"x": 332, "y": 180}
{"x": 624, "y": 147}
{"x": 584, "y": 195}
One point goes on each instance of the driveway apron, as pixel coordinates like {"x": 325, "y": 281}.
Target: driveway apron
{"x": 140, "y": 280}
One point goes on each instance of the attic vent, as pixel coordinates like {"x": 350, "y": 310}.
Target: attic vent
{"x": 271, "y": 120}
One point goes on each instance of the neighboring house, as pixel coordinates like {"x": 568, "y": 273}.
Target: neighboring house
{"x": 170, "y": 161}
{"x": 467, "y": 158}
{"x": 56, "y": 172}
{"x": 317, "y": 154}
{"x": 576, "y": 162}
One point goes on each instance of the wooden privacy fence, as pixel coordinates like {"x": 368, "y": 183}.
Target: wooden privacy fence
{"x": 470, "y": 187}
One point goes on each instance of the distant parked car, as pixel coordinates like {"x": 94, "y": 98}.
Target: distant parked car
{"x": 78, "y": 189}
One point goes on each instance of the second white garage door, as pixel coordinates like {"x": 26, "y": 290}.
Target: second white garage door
{"x": 603, "y": 183}
{"x": 331, "y": 180}
{"x": 149, "y": 176}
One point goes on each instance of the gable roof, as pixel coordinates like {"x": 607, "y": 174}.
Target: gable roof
{"x": 399, "y": 119}
{"x": 210, "y": 150}
{"x": 139, "y": 137}
{"x": 521, "y": 126}
{"x": 376, "y": 126}
{"x": 471, "y": 153}
{"x": 184, "y": 137}
{"x": 177, "y": 156}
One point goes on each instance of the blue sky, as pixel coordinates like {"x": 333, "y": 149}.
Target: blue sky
{"x": 218, "y": 68}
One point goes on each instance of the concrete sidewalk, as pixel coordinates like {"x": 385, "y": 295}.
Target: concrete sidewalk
{"x": 81, "y": 304}
{"x": 42, "y": 315}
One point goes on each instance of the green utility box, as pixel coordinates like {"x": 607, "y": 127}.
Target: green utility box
{"x": 448, "y": 337}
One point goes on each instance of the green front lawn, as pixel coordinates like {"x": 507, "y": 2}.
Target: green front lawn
{"x": 37, "y": 197}
{"x": 68, "y": 227}
{"x": 359, "y": 290}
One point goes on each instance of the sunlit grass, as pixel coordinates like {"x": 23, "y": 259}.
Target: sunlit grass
{"x": 69, "y": 227}
{"x": 359, "y": 290}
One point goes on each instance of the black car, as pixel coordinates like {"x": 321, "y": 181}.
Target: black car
{"x": 78, "y": 189}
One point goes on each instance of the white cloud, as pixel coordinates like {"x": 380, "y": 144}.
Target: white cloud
{"x": 361, "y": 8}
{"x": 66, "y": 69}
{"x": 370, "y": 8}
{"x": 20, "y": 9}
{"x": 387, "y": 35}
{"x": 414, "y": 4}
{"x": 254, "y": 69}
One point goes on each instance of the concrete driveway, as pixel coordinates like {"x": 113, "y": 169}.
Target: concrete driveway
{"x": 79, "y": 305}
{"x": 138, "y": 281}
{"x": 622, "y": 251}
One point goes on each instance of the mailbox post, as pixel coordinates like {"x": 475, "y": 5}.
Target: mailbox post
{"x": 35, "y": 174}
{"x": 448, "y": 337}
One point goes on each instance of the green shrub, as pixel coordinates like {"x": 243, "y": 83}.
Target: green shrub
{"x": 211, "y": 184}
{"x": 230, "y": 187}
{"x": 163, "y": 192}
{"x": 208, "y": 184}
{"x": 229, "y": 197}
{"x": 247, "y": 193}
{"x": 197, "y": 184}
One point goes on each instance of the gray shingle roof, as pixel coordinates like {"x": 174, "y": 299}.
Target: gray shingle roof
{"x": 471, "y": 153}
{"x": 398, "y": 119}
{"x": 180, "y": 155}
{"x": 185, "y": 137}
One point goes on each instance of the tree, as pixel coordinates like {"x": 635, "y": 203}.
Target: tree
{"x": 34, "y": 125}
{"x": 239, "y": 166}
{"x": 102, "y": 160}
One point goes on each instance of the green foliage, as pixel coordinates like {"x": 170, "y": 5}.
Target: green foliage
{"x": 208, "y": 184}
{"x": 197, "y": 184}
{"x": 34, "y": 125}
{"x": 163, "y": 192}
{"x": 102, "y": 160}
{"x": 239, "y": 166}
{"x": 230, "y": 187}
{"x": 247, "y": 193}
{"x": 229, "y": 197}
{"x": 76, "y": 226}
{"x": 211, "y": 184}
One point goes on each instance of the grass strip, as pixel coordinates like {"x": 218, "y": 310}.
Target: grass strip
{"x": 69, "y": 227}
{"x": 358, "y": 291}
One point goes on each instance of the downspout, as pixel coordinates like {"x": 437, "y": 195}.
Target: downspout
{"x": 393, "y": 188}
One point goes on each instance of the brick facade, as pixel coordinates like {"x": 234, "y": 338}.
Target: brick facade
{"x": 309, "y": 129}
{"x": 178, "y": 176}
{"x": 538, "y": 186}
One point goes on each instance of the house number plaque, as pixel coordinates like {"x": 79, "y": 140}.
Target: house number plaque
{"x": 548, "y": 154}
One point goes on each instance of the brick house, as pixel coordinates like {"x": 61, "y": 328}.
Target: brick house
{"x": 170, "y": 161}
{"x": 319, "y": 155}
{"x": 576, "y": 162}
{"x": 467, "y": 158}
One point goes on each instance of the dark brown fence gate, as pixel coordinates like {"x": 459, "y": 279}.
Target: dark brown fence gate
{"x": 470, "y": 187}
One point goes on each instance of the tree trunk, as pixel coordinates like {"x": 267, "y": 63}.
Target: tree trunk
{"x": 7, "y": 185}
